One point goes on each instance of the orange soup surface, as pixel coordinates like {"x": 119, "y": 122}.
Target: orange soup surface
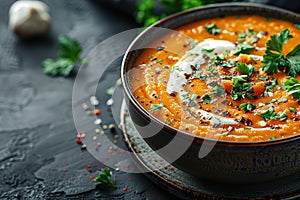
{"x": 233, "y": 78}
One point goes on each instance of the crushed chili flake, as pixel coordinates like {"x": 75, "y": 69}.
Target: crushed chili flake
{"x": 97, "y": 112}
{"x": 79, "y": 141}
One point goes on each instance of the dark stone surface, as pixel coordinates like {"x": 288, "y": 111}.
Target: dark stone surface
{"x": 39, "y": 158}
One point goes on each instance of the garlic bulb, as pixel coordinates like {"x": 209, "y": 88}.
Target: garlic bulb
{"x": 29, "y": 18}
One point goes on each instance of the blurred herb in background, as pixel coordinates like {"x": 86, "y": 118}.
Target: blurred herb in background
{"x": 146, "y": 14}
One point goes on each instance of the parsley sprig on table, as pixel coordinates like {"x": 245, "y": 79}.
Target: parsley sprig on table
{"x": 104, "y": 178}
{"x": 69, "y": 51}
{"x": 274, "y": 58}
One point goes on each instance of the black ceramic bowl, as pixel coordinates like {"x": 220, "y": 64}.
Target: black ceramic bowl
{"x": 234, "y": 162}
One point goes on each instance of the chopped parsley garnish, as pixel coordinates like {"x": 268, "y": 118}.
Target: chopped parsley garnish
{"x": 168, "y": 122}
{"x": 247, "y": 128}
{"x": 194, "y": 97}
{"x": 192, "y": 43}
{"x": 207, "y": 50}
{"x": 272, "y": 138}
{"x": 176, "y": 68}
{"x": 274, "y": 58}
{"x": 247, "y": 106}
{"x": 104, "y": 178}
{"x": 213, "y": 29}
{"x": 244, "y": 48}
{"x": 240, "y": 89}
{"x": 283, "y": 116}
{"x": 185, "y": 96}
{"x": 156, "y": 107}
{"x": 245, "y": 69}
{"x": 268, "y": 19}
{"x": 69, "y": 51}
{"x": 262, "y": 78}
{"x": 269, "y": 114}
{"x": 292, "y": 109}
{"x": 110, "y": 91}
{"x": 207, "y": 99}
{"x": 297, "y": 25}
{"x": 293, "y": 87}
{"x": 158, "y": 61}
{"x": 283, "y": 100}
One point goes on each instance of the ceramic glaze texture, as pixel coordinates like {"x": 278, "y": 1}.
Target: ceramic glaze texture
{"x": 238, "y": 162}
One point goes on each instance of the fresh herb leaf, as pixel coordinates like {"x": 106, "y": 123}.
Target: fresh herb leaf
{"x": 192, "y": 43}
{"x": 283, "y": 116}
{"x": 69, "y": 48}
{"x": 244, "y": 48}
{"x": 110, "y": 91}
{"x": 58, "y": 67}
{"x": 168, "y": 122}
{"x": 207, "y": 50}
{"x": 156, "y": 107}
{"x": 283, "y": 100}
{"x": 247, "y": 106}
{"x": 297, "y": 25}
{"x": 240, "y": 89}
{"x": 194, "y": 97}
{"x": 269, "y": 114}
{"x": 213, "y": 29}
{"x": 207, "y": 99}
{"x": 293, "y": 87}
{"x": 69, "y": 51}
{"x": 274, "y": 58}
{"x": 262, "y": 78}
{"x": 245, "y": 69}
{"x": 268, "y": 19}
{"x": 105, "y": 178}
{"x": 185, "y": 96}
{"x": 272, "y": 138}
{"x": 292, "y": 109}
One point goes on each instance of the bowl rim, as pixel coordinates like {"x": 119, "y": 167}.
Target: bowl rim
{"x": 171, "y": 130}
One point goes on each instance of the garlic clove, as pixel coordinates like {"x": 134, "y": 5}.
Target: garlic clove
{"x": 29, "y": 18}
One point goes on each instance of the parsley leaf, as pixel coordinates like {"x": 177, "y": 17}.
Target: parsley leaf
{"x": 207, "y": 99}
{"x": 247, "y": 106}
{"x": 212, "y": 29}
{"x": 245, "y": 69}
{"x": 156, "y": 107}
{"x": 244, "y": 48}
{"x": 269, "y": 114}
{"x": 58, "y": 67}
{"x": 207, "y": 50}
{"x": 240, "y": 90}
{"x": 292, "y": 109}
{"x": 274, "y": 58}
{"x": 69, "y": 51}
{"x": 293, "y": 87}
{"x": 105, "y": 178}
{"x": 283, "y": 116}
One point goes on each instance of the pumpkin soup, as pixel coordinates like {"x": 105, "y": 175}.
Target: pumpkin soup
{"x": 236, "y": 79}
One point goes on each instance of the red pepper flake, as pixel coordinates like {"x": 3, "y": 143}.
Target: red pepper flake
{"x": 97, "y": 164}
{"x": 93, "y": 180}
{"x": 130, "y": 190}
{"x": 65, "y": 170}
{"x": 171, "y": 168}
{"x": 125, "y": 189}
{"x": 109, "y": 151}
{"x": 81, "y": 135}
{"x": 97, "y": 112}
{"x": 89, "y": 165}
{"x": 79, "y": 141}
